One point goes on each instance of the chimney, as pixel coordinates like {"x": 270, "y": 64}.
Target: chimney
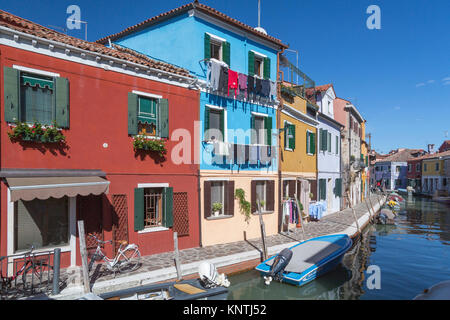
{"x": 431, "y": 148}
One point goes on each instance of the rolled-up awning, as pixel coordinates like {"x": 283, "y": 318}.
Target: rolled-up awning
{"x": 56, "y": 187}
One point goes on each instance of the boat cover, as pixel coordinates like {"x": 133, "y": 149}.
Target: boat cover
{"x": 308, "y": 254}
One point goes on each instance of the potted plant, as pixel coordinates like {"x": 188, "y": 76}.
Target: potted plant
{"x": 216, "y": 208}
{"x": 37, "y": 133}
{"x": 155, "y": 145}
{"x": 244, "y": 205}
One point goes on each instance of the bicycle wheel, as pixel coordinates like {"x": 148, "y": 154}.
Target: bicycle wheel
{"x": 129, "y": 260}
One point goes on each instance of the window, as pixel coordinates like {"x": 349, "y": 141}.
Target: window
{"x": 310, "y": 142}
{"x": 217, "y": 48}
{"x": 41, "y": 223}
{"x": 148, "y": 114}
{"x": 437, "y": 166}
{"x": 258, "y": 65}
{"x": 261, "y": 130}
{"x": 289, "y": 140}
{"x": 218, "y": 199}
{"x": 217, "y": 196}
{"x": 34, "y": 97}
{"x": 425, "y": 167}
{"x": 153, "y": 207}
{"x": 264, "y": 191}
{"x": 214, "y": 124}
{"x": 261, "y": 194}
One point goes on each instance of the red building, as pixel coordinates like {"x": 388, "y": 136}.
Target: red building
{"x": 103, "y": 100}
{"x": 414, "y": 174}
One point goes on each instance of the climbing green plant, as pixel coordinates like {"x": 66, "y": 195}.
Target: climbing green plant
{"x": 244, "y": 205}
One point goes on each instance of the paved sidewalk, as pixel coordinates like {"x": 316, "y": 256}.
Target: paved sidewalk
{"x": 160, "y": 267}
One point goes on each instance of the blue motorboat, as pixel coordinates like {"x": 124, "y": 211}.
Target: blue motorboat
{"x": 306, "y": 260}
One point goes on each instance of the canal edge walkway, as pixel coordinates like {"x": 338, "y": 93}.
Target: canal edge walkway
{"x": 228, "y": 258}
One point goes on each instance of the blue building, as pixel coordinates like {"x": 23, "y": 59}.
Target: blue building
{"x": 237, "y": 128}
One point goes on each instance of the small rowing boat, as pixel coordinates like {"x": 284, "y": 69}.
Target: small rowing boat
{"x": 306, "y": 260}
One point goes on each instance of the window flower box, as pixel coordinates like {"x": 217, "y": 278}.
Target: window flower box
{"x": 150, "y": 144}
{"x": 37, "y": 132}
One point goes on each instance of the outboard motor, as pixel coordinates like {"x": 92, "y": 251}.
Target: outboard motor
{"x": 279, "y": 264}
{"x": 210, "y": 278}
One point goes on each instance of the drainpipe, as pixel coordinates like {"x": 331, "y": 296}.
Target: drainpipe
{"x": 280, "y": 107}
{"x": 199, "y": 190}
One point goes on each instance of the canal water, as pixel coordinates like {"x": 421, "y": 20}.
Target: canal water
{"x": 411, "y": 255}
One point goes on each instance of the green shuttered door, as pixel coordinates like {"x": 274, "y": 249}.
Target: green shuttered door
{"x": 207, "y": 46}
{"x": 268, "y": 127}
{"x": 251, "y": 63}
{"x": 168, "y": 207}
{"x": 138, "y": 209}
{"x": 132, "y": 113}
{"x": 266, "y": 68}
{"x": 226, "y": 53}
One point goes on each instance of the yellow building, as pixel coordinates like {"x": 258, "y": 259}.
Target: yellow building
{"x": 365, "y": 160}
{"x": 433, "y": 173}
{"x": 298, "y": 150}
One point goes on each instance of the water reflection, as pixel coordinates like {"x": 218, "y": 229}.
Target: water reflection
{"x": 411, "y": 255}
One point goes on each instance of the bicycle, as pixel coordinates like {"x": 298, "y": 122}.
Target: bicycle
{"x": 126, "y": 259}
{"x": 30, "y": 263}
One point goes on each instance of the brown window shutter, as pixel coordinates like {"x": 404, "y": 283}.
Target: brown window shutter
{"x": 314, "y": 189}
{"x": 229, "y": 203}
{"x": 207, "y": 199}
{"x": 299, "y": 189}
{"x": 253, "y": 196}
{"x": 291, "y": 188}
{"x": 270, "y": 195}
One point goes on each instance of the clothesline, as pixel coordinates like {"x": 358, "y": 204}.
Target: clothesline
{"x": 222, "y": 79}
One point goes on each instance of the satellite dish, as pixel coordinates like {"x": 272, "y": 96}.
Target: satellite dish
{"x": 260, "y": 29}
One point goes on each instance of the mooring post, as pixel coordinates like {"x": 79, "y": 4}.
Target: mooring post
{"x": 263, "y": 231}
{"x": 83, "y": 252}
{"x": 56, "y": 269}
{"x": 177, "y": 255}
{"x": 354, "y": 213}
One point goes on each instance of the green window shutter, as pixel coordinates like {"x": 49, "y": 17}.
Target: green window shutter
{"x": 266, "y": 68}
{"x": 325, "y": 140}
{"x": 308, "y": 141}
{"x": 322, "y": 189}
{"x": 132, "y": 113}
{"x": 206, "y": 122}
{"x": 207, "y": 46}
{"x": 163, "y": 127}
{"x": 222, "y": 124}
{"x": 252, "y": 127}
{"x": 138, "y": 209}
{"x": 226, "y": 52}
{"x": 11, "y": 92}
{"x": 313, "y": 143}
{"x": 168, "y": 207}
{"x": 329, "y": 142}
{"x": 251, "y": 63}
{"x": 268, "y": 127}
{"x": 292, "y": 140}
{"x": 62, "y": 102}
{"x": 320, "y": 139}
{"x": 337, "y": 144}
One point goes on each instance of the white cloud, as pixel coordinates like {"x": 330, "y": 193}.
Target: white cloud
{"x": 430, "y": 81}
{"x": 420, "y": 84}
{"x": 446, "y": 79}
{"x": 396, "y": 108}
{"x": 447, "y": 83}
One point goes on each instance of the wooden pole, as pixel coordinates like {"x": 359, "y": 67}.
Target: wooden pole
{"x": 367, "y": 205}
{"x": 374, "y": 213}
{"x": 263, "y": 231}
{"x": 83, "y": 252}
{"x": 354, "y": 213}
{"x": 177, "y": 255}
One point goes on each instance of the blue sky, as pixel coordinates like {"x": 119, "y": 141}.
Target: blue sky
{"x": 398, "y": 77}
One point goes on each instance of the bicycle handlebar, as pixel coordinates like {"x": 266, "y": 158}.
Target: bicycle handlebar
{"x": 98, "y": 240}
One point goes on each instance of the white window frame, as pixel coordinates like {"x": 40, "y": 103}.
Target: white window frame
{"x": 153, "y": 185}
{"x": 222, "y": 214}
{"x": 225, "y": 122}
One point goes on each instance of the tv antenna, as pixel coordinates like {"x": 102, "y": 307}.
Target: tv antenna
{"x": 64, "y": 30}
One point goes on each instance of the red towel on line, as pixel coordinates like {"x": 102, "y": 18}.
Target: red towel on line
{"x": 232, "y": 80}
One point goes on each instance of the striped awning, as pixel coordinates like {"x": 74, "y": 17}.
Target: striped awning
{"x": 35, "y": 81}
{"x": 56, "y": 187}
